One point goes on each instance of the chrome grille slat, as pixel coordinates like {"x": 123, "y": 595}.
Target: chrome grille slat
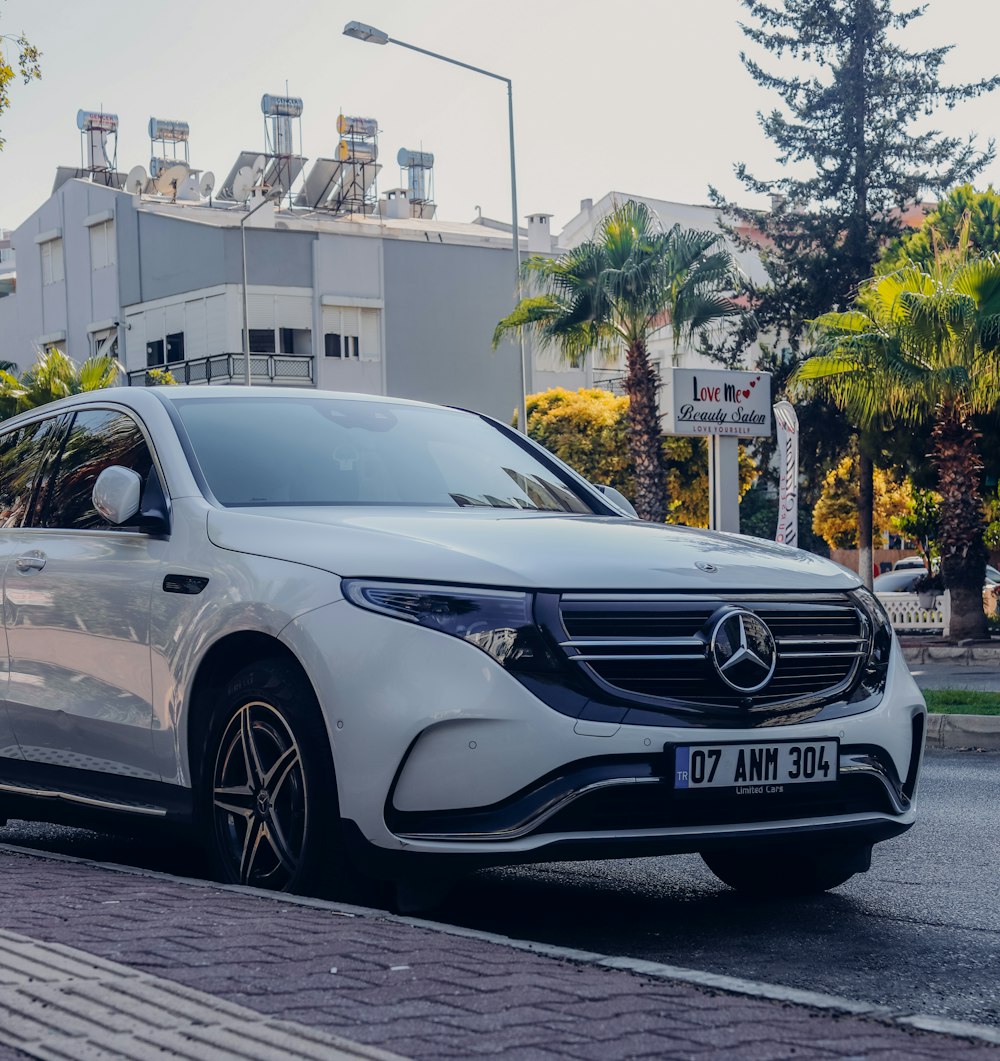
{"x": 635, "y": 644}
{"x": 632, "y": 656}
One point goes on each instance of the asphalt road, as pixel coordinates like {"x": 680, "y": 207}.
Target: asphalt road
{"x": 944, "y": 675}
{"x": 920, "y": 931}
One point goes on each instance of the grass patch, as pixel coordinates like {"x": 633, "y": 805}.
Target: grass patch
{"x": 962, "y": 702}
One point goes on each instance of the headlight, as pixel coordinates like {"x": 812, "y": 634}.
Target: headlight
{"x": 500, "y": 622}
{"x": 876, "y": 666}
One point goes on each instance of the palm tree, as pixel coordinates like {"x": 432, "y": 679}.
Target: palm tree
{"x": 923, "y": 345}
{"x": 52, "y": 376}
{"x": 617, "y": 290}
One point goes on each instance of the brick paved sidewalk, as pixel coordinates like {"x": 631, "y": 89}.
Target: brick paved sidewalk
{"x": 415, "y": 990}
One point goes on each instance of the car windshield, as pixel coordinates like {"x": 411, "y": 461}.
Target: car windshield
{"x": 276, "y": 450}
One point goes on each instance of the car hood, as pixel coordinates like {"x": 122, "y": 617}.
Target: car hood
{"x": 523, "y": 550}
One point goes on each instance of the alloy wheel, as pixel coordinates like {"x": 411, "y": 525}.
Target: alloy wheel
{"x": 259, "y": 798}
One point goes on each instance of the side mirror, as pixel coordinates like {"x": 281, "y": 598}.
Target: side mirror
{"x": 117, "y": 493}
{"x": 619, "y": 500}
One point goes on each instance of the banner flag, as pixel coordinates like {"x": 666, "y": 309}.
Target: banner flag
{"x": 788, "y": 454}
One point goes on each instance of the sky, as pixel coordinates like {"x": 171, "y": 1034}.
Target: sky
{"x": 638, "y": 96}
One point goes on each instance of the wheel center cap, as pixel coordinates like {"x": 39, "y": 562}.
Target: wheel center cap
{"x": 263, "y": 802}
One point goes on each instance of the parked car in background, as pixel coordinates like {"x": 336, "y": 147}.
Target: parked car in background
{"x": 896, "y": 581}
{"x": 907, "y": 562}
{"x": 338, "y": 637}
{"x": 905, "y": 581}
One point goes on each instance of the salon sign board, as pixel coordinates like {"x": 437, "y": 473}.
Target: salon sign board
{"x": 700, "y": 401}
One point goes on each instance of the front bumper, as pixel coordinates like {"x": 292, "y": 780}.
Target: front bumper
{"x": 438, "y": 750}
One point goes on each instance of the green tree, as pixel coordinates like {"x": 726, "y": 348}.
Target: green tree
{"x": 925, "y": 346}
{"x": 586, "y": 428}
{"x": 852, "y": 156}
{"x": 923, "y": 522}
{"x": 966, "y": 221}
{"x": 18, "y": 56}
{"x": 53, "y": 376}
{"x": 614, "y": 292}
{"x": 848, "y": 125}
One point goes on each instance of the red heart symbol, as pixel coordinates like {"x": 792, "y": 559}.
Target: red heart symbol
{"x": 753, "y": 383}
{"x": 746, "y": 394}
{"x": 758, "y": 377}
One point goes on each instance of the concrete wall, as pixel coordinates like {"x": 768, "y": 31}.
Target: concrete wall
{"x": 13, "y": 345}
{"x": 89, "y": 297}
{"x": 442, "y": 304}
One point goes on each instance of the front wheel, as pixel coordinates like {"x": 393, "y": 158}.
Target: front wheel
{"x": 788, "y": 869}
{"x": 269, "y": 800}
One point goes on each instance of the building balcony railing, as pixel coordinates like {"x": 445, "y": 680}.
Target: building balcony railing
{"x": 291, "y": 370}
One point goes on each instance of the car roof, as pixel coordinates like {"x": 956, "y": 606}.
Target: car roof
{"x": 182, "y": 391}
{"x": 138, "y": 398}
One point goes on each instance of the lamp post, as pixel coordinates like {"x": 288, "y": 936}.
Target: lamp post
{"x": 269, "y": 196}
{"x": 360, "y": 31}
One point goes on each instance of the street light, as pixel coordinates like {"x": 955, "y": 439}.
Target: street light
{"x": 269, "y": 196}
{"x": 362, "y": 32}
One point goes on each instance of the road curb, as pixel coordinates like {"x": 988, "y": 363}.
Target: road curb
{"x": 938, "y": 653}
{"x": 640, "y": 967}
{"x": 960, "y": 732}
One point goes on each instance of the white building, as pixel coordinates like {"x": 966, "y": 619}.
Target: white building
{"x": 379, "y": 299}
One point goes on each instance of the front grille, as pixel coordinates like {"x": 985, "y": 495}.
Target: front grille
{"x": 658, "y": 647}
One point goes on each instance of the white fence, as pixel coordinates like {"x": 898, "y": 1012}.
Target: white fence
{"x": 906, "y": 612}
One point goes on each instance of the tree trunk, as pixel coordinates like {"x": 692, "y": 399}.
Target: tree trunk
{"x": 963, "y": 552}
{"x": 644, "y": 437}
{"x": 866, "y": 509}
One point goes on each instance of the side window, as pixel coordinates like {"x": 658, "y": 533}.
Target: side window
{"x": 97, "y": 439}
{"x": 21, "y": 454}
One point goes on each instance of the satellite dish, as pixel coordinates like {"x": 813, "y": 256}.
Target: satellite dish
{"x": 188, "y": 190}
{"x": 207, "y": 185}
{"x": 136, "y": 180}
{"x": 258, "y": 167}
{"x": 242, "y": 183}
{"x": 170, "y": 180}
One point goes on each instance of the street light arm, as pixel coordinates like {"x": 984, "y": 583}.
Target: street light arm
{"x": 448, "y": 59}
{"x": 363, "y": 32}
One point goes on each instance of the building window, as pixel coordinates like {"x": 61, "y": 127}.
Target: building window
{"x": 295, "y": 341}
{"x": 105, "y": 343}
{"x": 175, "y": 347}
{"x": 52, "y": 262}
{"x": 154, "y": 353}
{"x": 337, "y": 345}
{"x": 351, "y": 332}
{"x": 262, "y": 341}
{"x": 102, "y": 245}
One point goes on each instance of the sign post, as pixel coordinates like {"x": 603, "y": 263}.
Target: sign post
{"x": 725, "y": 406}
{"x": 788, "y": 490}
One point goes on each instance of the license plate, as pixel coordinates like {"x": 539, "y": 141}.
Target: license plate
{"x": 755, "y": 769}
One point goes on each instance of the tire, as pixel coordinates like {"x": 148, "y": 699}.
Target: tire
{"x": 268, "y": 799}
{"x": 788, "y": 869}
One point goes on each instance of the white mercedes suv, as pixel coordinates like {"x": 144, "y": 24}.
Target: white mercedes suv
{"x": 344, "y": 637}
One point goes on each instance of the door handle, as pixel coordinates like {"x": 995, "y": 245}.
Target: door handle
{"x": 30, "y": 562}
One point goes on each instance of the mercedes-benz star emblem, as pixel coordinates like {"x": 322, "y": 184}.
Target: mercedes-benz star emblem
{"x": 743, "y": 651}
